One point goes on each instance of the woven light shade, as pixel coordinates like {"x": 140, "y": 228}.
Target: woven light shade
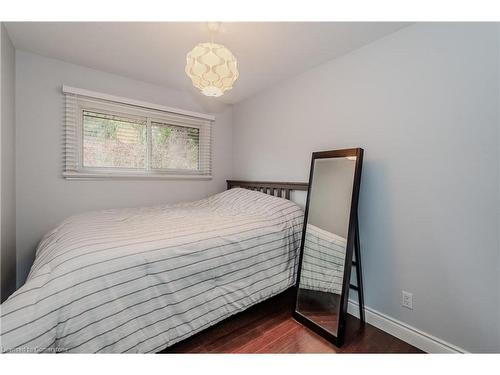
{"x": 212, "y": 68}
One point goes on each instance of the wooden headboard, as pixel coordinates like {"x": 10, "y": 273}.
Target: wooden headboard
{"x": 278, "y": 189}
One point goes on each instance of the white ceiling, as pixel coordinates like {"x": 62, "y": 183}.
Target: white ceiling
{"x": 267, "y": 52}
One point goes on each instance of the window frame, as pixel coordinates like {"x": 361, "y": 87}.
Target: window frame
{"x": 148, "y": 113}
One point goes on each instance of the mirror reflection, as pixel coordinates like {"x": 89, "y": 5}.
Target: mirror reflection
{"x": 322, "y": 268}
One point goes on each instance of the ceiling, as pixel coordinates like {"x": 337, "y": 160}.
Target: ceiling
{"x": 267, "y": 52}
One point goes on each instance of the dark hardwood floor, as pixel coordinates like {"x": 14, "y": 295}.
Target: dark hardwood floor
{"x": 270, "y": 328}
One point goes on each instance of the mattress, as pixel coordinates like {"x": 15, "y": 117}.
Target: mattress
{"x": 142, "y": 279}
{"x": 323, "y": 263}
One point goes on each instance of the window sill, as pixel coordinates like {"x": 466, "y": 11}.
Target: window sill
{"x": 131, "y": 176}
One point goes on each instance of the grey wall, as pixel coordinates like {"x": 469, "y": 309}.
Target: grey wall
{"x": 331, "y": 193}
{"x": 423, "y": 102}
{"x": 7, "y": 167}
{"x": 498, "y": 66}
{"x": 44, "y": 198}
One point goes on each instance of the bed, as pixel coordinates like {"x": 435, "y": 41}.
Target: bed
{"x": 323, "y": 263}
{"x": 141, "y": 279}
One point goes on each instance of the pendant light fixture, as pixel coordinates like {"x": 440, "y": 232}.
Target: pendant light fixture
{"x": 212, "y": 67}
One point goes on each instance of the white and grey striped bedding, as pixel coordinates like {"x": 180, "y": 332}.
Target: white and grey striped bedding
{"x": 323, "y": 261}
{"x": 138, "y": 280}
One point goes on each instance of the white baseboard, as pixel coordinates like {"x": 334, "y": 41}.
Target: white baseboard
{"x": 403, "y": 331}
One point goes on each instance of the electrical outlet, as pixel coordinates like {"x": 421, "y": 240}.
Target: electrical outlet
{"x": 407, "y": 299}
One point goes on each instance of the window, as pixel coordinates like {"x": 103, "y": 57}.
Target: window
{"x": 111, "y": 141}
{"x": 110, "y": 137}
{"x": 175, "y": 147}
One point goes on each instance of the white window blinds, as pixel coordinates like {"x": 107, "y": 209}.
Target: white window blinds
{"x": 107, "y": 136}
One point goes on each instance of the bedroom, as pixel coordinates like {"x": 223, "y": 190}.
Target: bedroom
{"x": 125, "y": 183}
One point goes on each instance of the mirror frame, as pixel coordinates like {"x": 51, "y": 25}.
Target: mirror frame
{"x": 351, "y": 237}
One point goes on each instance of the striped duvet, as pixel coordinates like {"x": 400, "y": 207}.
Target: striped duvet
{"x": 139, "y": 280}
{"x": 323, "y": 263}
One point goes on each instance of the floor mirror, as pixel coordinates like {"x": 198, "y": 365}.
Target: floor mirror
{"x": 330, "y": 247}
